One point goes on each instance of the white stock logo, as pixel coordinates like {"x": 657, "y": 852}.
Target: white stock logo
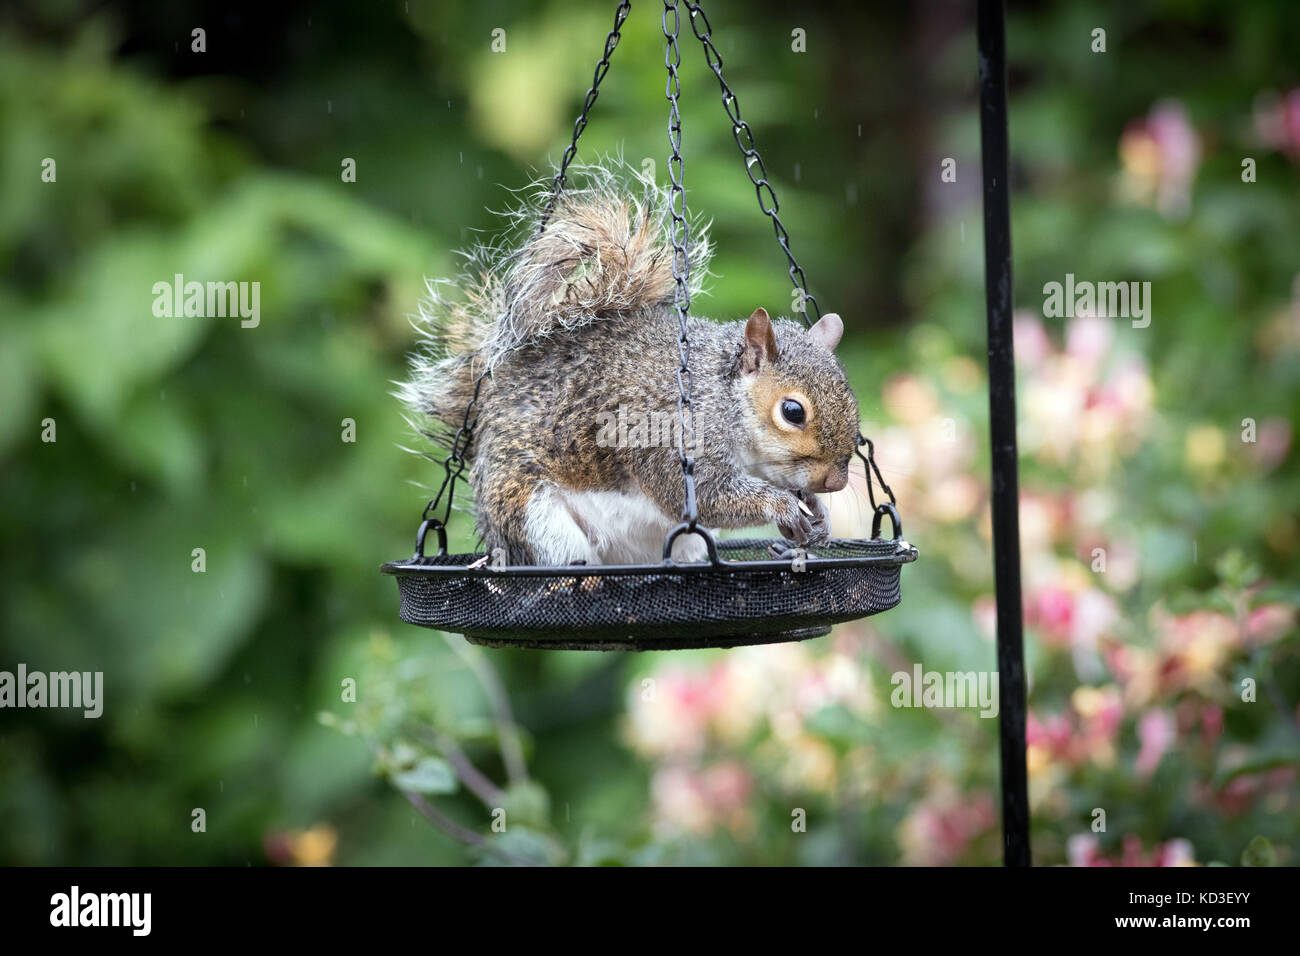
{"x": 211, "y": 300}
{"x": 1109, "y": 300}
{"x": 946, "y": 689}
{"x": 639, "y": 428}
{"x": 75, "y": 908}
{"x": 82, "y": 689}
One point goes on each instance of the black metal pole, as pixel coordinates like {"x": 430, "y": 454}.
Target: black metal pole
{"x": 991, "y": 17}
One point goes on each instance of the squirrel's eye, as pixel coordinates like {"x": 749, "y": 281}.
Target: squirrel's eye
{"x": 792, "y": 411}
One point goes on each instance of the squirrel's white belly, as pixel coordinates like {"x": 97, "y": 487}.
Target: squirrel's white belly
{"x": 601, "y": 527}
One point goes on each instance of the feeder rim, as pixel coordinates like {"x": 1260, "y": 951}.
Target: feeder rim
{"x": 903, "y": 553}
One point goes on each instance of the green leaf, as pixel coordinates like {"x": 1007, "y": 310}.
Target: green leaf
{"x": 429, "y": 775}
{"x": 1259, "y": 852}
{"x": 1235, "y": 570}
{"x": 838, "y": 725}
{"x": 524, "y": 845}
{"x": 527, "y": 803}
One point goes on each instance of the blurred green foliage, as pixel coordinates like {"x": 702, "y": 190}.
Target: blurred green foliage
{"x": 225, "y": 690}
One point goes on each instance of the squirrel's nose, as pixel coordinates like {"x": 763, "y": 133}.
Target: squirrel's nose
{"x": 835, "y": 479}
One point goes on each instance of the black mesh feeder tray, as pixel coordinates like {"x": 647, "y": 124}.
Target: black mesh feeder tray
{"x": 746, "y": 591}
{"x": 741, "y": 594}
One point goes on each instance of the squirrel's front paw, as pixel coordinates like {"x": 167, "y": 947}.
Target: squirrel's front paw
{"x": 806, "y": 522}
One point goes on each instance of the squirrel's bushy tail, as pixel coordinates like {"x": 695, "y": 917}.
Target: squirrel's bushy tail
{"x": 606, "y": 251}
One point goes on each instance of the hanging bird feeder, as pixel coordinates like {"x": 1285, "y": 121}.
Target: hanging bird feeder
{"x": 745, "y": 591}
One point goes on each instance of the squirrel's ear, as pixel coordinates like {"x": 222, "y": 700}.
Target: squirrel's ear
{"x": 827, "y": 331}
{"x": 760, "y": 341}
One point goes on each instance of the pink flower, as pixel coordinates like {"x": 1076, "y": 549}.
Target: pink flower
{"x": 1268, "y": 622}
{"x": 1211, "y": 724}
{"x": 1082, "y": 850}
{"x": 1128, "y": 393}
{"x": 1271, "y": 445}
{"x": 1089, "y": 338}
{"x": 1160, "y": 154}
{"x": 1051, "y": 610}
{"x": 671, "y": 716}
{"x": 1121, "y": 566}
{"x": 1085, "y": 734}
{"x": 1174, "y": 853}
{"x": 1277, "y": 122}
{"x": 941, "y": 828}
{"x": 727, "y": 786}
{"x": 1052, "y": 734}
{"x": 1242, "y": 792}
{"x": 1194, "y": 648}
{"x": 1102, "y": 710}
{"x": 1031, "y": 341}
{"x": 1199, "y": 720}
{"x": 1093, "y": 615}
{"x": 697, "y": 803}
{"x": 985, "y": 612}
{"x": 1156, "y": 731}
{"x": 1171, "y": 853}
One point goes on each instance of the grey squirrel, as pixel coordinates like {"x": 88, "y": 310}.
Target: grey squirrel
{"x": 577, "y": 330}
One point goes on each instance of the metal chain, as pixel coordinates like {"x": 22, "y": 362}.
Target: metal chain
{"x": 454, "y": 464}
{"x": 869, "y": 459}
{"x": 757, "y": 172}
{"x": 602, "y": 67}
{"x": 744, "y": 137}
{"x": 681, "y": 264}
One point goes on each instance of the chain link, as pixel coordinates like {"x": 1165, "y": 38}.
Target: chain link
{"x": 454, "y": 464}
{"x": 602, "y": 67}
{"x": 681, "y": 264}
{"x": 754, "y": 166}
{"x": 767, "y": 202}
